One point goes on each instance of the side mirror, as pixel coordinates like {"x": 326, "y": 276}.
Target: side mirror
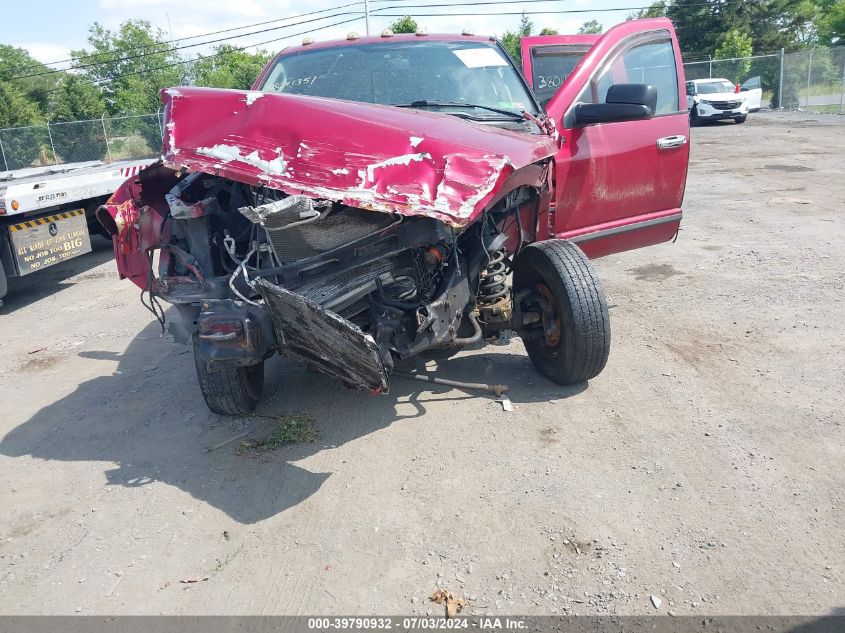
{"x": 624, "y": 102}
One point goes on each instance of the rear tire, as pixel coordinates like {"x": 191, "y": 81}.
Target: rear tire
{"x": 233, "y": 391}
{"x": 579, "y": 346}
{"x": 741, "y": 119}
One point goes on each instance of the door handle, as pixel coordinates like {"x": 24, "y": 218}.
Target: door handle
{"x": 671, "y": 142}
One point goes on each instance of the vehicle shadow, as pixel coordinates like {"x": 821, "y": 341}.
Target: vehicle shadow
{"x": 146, "y": 416}
{"x": 24, "y": 291}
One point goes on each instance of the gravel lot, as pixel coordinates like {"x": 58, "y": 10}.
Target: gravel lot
{"x": 704, "y": 466}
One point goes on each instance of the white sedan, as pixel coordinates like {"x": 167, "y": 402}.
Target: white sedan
{"x": 713, "y": 99}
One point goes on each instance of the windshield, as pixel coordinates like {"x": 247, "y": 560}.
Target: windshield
{"x": 715, "y": 87}
{"x": 401, "y": 73}
{"x": 551, "y": 65}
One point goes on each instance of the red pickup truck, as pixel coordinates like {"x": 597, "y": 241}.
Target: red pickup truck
{"x": 369, "y": 199}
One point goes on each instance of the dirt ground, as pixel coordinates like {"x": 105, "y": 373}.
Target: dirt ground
{"x": 703, "y": 467}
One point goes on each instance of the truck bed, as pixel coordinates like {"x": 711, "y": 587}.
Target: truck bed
{"x": 41, "y": 188}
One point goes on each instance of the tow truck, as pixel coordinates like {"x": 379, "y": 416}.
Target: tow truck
{"x": 47, "y": 213}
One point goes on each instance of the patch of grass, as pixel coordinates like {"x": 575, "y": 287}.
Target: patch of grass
{"x": 833, "y": 108}
{"x": 293, "y": 428}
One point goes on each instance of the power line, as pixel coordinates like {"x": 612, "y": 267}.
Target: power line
{"x": 215, "y": 55}
{"x": 497, "y": 2}
{"x": 177, "y": 48}
{"x": 193, "y": 37}
{"x": 377, "y": 11}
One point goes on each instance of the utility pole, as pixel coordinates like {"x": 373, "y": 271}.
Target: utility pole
{"x": 367, "y": 15}
{"x": 3, "y": 152}
{"x": 780, "y": 83}
{"x": 809, "y": 77}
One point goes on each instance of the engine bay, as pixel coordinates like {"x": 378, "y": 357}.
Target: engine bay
{"x": 253, "y": 271}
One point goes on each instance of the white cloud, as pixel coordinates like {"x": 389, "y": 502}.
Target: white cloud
{"x": 45, "y": 51}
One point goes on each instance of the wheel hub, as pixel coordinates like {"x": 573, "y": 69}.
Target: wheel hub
{"x": 551, "y": 320}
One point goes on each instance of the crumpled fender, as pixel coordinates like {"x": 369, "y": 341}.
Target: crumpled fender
{"x": 135, "y": 230}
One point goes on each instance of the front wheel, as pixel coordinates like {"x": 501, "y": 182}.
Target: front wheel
{"x": 569, "y": 342}
{"x": 231, "y": 391}
{"x": 693, "y": 117}
{"x": 741, "y": 119}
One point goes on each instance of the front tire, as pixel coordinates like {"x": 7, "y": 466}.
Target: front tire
{"x": 231, "y": 391}
{"x": 741, "y": 119}
{"x": 693, "y": 117}
{"x": 571, "y": 343}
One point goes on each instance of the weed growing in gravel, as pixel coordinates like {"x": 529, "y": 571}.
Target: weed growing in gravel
{"x": 293, "y": 428}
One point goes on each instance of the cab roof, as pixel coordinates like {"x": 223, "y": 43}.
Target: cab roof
{"x": 397, "y": 37}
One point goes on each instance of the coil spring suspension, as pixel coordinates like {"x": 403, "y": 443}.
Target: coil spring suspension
{"x": 491, "y": 284}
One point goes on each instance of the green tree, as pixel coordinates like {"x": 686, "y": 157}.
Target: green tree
{"x": 17, "y": 62}
{"x": 132, "y": 64}
{"x": 78, "y": 101}
{"x": 229, "y": 68}
{"x": 549, "y": 31}
{"x": 593, "y": 27}
{"x": 405, "y": 24}
{"x": 772, "y": 24}
{"x": 21, "y": 147}
{"x": 511, "y": 41}
{"x": 736, "y": 44}
{"x": 655, "y": 10}
{"x": 15, "y": 109}
{"x": 75, "y": 98}
{"x": 830, "y": 22}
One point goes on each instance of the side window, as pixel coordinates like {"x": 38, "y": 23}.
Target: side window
{"x": 690, "y": 89}
{"x": 751, "y": 84}
{"x": 551, "y": 66}
{"x": 651, "y": 62}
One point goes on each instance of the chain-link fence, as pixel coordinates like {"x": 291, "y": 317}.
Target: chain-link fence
{"x": 813, "y": 79}
{"x": 106, "y": 139}
{"x": 758, "y": 71}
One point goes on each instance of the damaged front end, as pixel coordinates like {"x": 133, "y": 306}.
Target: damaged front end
{"x": 346, "y": 260}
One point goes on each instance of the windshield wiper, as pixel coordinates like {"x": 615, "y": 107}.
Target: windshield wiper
{"x": 429, "y": 103}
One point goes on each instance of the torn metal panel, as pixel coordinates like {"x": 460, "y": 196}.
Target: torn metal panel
{"x": 324, "y": 339}
{"x": 282, "y": 214}
{"x": 374, "y": 157}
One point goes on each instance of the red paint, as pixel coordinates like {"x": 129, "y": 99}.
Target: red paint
{"x": 360, "y": 154}
{"x": 639, "y": 238}
{"x": 614, "y": 173}
{"x": 138, "y": 232}
{"x": 606, "y": 178}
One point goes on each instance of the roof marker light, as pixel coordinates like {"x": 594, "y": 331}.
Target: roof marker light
{"x": 421, "y": 31}
{"x": 307, "y": 41}
{"x": 387, "y": 33}
{"x": 468, "y": 32}
{"x": 352, "y": 35}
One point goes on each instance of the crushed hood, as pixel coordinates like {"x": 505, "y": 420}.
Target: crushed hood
{"x": 376, "y": 157}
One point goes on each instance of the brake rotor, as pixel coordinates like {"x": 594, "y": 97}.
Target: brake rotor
{"x": 551, "y": 320}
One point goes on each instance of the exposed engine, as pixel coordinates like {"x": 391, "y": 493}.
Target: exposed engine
{"x": 347, "y": 290}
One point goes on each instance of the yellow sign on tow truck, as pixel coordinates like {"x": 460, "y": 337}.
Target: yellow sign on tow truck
{"x": 42, "y": 242}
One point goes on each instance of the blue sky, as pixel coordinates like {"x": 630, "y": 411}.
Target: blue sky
{"x": 49, "y": 29}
